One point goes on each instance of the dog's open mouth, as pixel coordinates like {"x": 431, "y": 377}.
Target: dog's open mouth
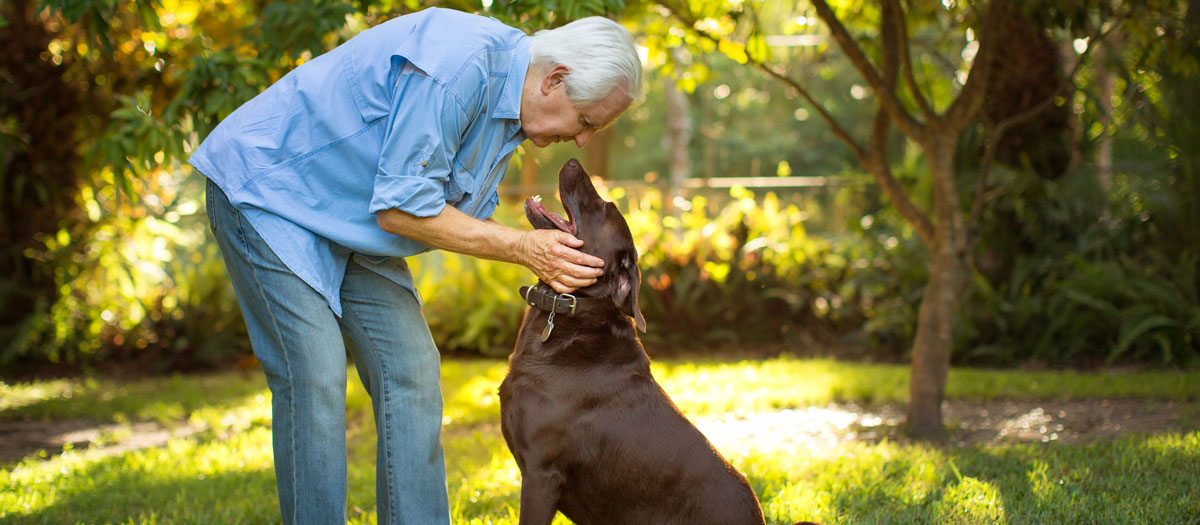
{"x": 534, "y": 203}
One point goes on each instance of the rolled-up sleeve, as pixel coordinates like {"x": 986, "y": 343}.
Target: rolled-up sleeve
{"x": 419, "y": 145}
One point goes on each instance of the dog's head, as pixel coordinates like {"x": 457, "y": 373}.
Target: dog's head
{"x": 604, "y": 232}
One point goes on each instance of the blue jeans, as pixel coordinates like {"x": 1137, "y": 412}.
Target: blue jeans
{"x": 299, "y": 342}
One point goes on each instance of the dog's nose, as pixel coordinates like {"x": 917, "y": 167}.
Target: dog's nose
{"x": 573, "y": 163}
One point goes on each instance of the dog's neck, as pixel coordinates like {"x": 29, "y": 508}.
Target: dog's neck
{"x": 544, "y": 298}
{"x": 616, "y": 341}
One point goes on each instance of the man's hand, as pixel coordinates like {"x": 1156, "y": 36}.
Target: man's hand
{"x": 552, "y": 255}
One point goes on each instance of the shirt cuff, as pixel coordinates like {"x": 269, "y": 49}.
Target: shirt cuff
{"x": 416, "y": 196}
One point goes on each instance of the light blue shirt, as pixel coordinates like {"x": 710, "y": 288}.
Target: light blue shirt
{"x": 416, "y": 114}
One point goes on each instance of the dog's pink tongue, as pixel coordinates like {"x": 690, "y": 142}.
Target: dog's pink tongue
{"x": 554, "y": 217}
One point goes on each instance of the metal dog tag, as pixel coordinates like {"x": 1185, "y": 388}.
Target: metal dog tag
{"x": 549, "y": 327}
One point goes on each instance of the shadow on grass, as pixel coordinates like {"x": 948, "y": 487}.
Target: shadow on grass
{"x": 1135, "y": 479}
{"x": 119, "y": 490}
{"x": 158, "y": 399}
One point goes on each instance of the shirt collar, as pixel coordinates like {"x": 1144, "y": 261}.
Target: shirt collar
{"x": 509, "y": 105}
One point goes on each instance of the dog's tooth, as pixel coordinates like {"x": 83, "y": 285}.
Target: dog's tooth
{"x": 537, "y": 198}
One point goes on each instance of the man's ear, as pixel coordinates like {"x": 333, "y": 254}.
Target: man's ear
{"x": 554, "y": 78}
{"x": 625, "y": 289}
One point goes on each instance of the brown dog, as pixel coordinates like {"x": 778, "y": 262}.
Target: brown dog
{"x": 593, "y": 434}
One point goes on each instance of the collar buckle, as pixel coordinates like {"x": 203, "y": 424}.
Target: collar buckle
{"x": 545, "y": 298}
{"x": 574, "y": 302}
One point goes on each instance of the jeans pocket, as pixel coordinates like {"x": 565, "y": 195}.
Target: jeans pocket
{"x": 210, "y": 206}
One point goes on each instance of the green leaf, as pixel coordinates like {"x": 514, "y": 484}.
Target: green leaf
{"x": 756, "y": 47}
{"x": 1134, "y": 329}
{"x": 1090, "y": 301}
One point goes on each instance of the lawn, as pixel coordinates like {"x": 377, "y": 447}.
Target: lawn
{"x": 217, "y": 468}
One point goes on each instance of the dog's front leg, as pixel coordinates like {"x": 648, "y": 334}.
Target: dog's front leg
{"x": 539, "y": 496}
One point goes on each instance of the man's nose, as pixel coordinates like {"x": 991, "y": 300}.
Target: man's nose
{"x": 583, "y": 137}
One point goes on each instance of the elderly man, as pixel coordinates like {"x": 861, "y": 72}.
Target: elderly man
{"x": 389, "y": 145}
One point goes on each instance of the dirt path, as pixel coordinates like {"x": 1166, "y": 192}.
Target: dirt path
{"x": 822, "y": 427}
{"x": 22, "y": 438}
{"x": 816, "y": 428}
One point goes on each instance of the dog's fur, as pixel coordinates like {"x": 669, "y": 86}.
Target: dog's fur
{"x": 593, "y": 434}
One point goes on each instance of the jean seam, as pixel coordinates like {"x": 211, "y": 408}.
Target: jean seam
{"x": 208, "y": 207}
{"x": 350, "y": 315}
{"x": 282, "y": 351}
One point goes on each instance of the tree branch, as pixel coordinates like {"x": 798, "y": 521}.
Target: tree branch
{"x": 877, "y": 163}
{"x": 887, "y": 94}
{"x": 964, "y": 108}
{"x": 874, "y": 160}
{"x": 834, "y": 126}
{"x": 906, "y": 59}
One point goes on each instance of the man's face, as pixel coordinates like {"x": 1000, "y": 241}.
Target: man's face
{"x": 548, "y": 116}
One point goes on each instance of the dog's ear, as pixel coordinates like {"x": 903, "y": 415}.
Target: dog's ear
{"x": 625, "y": 288}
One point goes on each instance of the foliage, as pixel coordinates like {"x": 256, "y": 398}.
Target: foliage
{"x": 742, "y": 272}
{"x": 104, "y": 255}
{"x": 220, "y": 469}
{"x": 1159, "y": 95}
{"x": 549, "y": 13}
{"x": 1074, "y": 271}
{"x": 749, "y": 272}
{"x": 1066, "y": 279}
{"x": 142, "y": 282}
{"x": 101, "y": 97}
{"x": 1057, "y": 283}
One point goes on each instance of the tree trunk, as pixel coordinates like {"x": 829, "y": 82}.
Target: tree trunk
{"x": 942, "y": 296}
{"x": 529, "y": 171}
{"x": 596, "y": 154}
{"x": 677, "y": 139}
{"x": 41, "y": 111}
{"x": 1104, "y": 83}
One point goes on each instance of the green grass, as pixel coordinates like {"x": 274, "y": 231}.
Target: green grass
{"x": 223, "y": 473}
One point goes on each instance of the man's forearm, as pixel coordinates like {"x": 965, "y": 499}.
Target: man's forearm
{"x": 455, "y": 231}
{"x": 552, "y": 255}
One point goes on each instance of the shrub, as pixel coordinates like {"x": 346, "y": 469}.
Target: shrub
{"x": 1069, "y": 275}
{"x": 140, "y": 281}
{"x": 740, "y": 272}
{"x": 1063, "y": 279}
{"x": 749, "y": 271}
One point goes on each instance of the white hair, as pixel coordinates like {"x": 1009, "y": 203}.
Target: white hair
{"x": 600, "y": 54}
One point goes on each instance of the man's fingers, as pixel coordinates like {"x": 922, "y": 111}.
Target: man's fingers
{"x": 576, "y": 276}
{"x": 561, "y": 288}
{"x": 569, "y": 240}
{"x": 590, "y": 261}
{"x": 580, "y": 271}
{"x": 558, "y": 263}
{"x": 577, "y": 256}
{"x": 568, "y": 284}
{"x": 586, "y": 273}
